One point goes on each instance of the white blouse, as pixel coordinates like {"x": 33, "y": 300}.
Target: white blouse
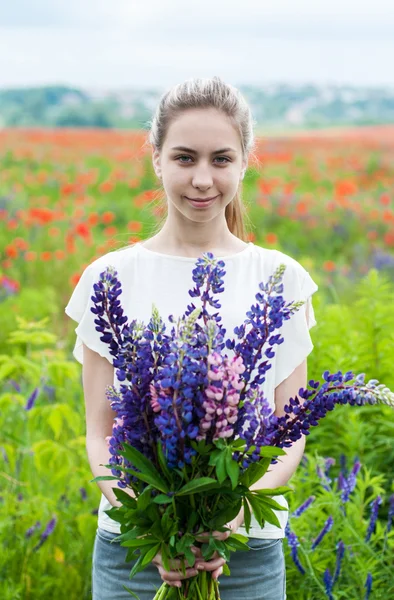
{"x": 150, "y": 277}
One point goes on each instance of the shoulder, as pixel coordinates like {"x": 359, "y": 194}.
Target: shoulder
{"x": 115, "y": 258}
{"x": 294, "y": 269}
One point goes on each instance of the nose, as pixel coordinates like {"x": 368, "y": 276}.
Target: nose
{"x": 202, "y": 178}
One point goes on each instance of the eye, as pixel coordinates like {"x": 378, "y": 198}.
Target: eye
{"x": 218, "y": 157}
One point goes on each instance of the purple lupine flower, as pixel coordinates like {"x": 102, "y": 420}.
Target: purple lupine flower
{"x": 50, "y": 391}
{"x": 324, "y": 479}
{"x": 15, "y": 385}
{"x": 32, "y": 399}
{"x": 222, "y": 397}
{"x": 265, "y": 320}
{"x": 20, "y": 497}
{"x": 328, "y": 463}
{"x": 4, "y": 453}
{"x": 83, "y": 493}
{"x": 328, "y": 583}
{"x": 374, "y": 515}
{"x": 327, "y": 527}
{"x": 348, "y": 485}
{"x": 304, "y": 460}
{"x": 46, "y": 533}
{"x": 342, "y": 462}
{"x": 340, "y": 553}
{"x": 302, "y": 508}
{"x": 368, "y": 586}
{"x": 294, "y": 543}
{"x": 299, "y": 418}
{"x": 390, "y": 515}
{"x": 32, "y": 529}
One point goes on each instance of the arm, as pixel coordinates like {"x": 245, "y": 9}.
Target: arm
{"x": 280, "y": 473}
{"x": 97, "y": 373}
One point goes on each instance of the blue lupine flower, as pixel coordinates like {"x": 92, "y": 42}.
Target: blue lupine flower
{"x": 31, "y": 399}
{"x": 374, "y": 515}
{"x": 368, "y": 586}
{"x": 324, "y": 479}
{"x": 15, "y": 384}
{"x": 327, "y": 527}
{"x": 302, "y": 508}
{"x": 32, "y": 529}
{"x": 390, "y": 515}
{"x": 46, "y": 533}
{"x": 294, "y": 543}
{"x": 348, "y": 485}
{"x": 340, "y": 553}
{"x": 83, "y": 493}
{"x": 166, "y": 376}
{"x": 342, "y": 462}
{"x": 328, "y": 583}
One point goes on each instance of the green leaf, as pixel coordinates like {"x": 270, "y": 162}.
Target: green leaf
{"x": 238, "y": 536}
{"x": 226, "y": 515}
{"x": 163, "y": 461}
{"x": 150, "y": 554}
{"x": 140, "y": 542}
{"x": 232, "y": 468}
{"x": 265, "y": 500}
{"x": 124, "y": 497}
{"x": 254, "y": 503}
{"x": 157, "y": 483}
{"x": 103, "y": 478}
{"x": 144, "y": 499}
{"x": 131, "y": 592}
{"x": 162, "y": 499}
{"x": 270, "y": 451}
{"x": 226, "y": 570}
{"x": 238, "y": 443}
{"x": 236, "y": 544}
{"x": 274, "y": 492}
{"x": 137, "y": 567}
{"x": 221, "y": 467}
{"x": 247, "y": 515}
{"x": 145, "y": 466}
{"x": 197, "y": 485}
{"x": 255, "y": 471}
{"x": 268, "y": 515}
{"x": 165, "y": 556}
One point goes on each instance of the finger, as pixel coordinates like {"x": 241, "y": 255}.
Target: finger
{"x": 216, "y": 574}
{"x": 218, "y": 535}
{"x": 211, "y": 565}
{"x": 174, "y": 576}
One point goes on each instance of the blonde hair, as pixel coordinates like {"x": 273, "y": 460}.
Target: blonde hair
{"x": 207, "y": 93}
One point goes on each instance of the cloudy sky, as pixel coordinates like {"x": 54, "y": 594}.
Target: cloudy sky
{"x": 157, "y": 43}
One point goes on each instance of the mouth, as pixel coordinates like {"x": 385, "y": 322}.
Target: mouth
{"x": 200, "y": 203}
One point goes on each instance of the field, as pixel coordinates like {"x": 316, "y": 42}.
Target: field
{"x": 67, "y": 197}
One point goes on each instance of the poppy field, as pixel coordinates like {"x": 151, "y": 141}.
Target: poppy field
{"x": 70, "y": 196}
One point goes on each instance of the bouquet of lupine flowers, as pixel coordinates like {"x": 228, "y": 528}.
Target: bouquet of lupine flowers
{"x": 193, "y": 430}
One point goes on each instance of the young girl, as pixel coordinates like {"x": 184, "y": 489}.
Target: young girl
{"x": 201, "y": 137}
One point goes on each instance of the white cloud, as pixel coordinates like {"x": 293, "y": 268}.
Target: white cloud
{"x": 150, "y": 42}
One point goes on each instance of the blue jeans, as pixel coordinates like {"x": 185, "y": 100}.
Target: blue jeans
{"x": 255, "y": 575}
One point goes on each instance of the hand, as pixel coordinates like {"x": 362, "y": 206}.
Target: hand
{"x": 215, "y": 564}
{"x": 175, "y": 576}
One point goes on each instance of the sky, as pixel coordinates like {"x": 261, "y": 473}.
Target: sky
{"x": 101, "y": 44}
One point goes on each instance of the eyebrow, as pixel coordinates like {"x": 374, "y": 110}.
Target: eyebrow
{"x": 184, "y": 149}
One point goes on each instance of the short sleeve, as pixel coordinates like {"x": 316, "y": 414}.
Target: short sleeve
{"x": 297, "y": 345}
{"x": 78, "y": 308}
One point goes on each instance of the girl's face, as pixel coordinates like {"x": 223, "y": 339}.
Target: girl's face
{"x": 191, "y": 167}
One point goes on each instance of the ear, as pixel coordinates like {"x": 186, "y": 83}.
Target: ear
{"x": 156, "y": 162}
{"x": 243, "y": 169}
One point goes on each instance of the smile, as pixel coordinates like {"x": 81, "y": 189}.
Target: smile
{"x": 201, "y": 203}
